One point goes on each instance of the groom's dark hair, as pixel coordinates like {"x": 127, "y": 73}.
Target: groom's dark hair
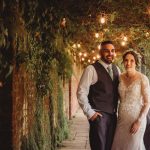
{"x": 106, "y": 42}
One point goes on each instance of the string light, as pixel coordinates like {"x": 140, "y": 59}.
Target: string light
{"x": 123, "y": 43}
{"x": 78, "y": 45}
{"x": 125, "y": 38}
{"x": 85, "y": 54}
{"x": 89, "y": 60}
{"x": 99, "y": 46}
{"x": 74, "y": 46}
{"x": 98, "y": 56}
{"x": 63, "y": 23}
{"x": 80, "y": 54}
{"x": 147, "y": 34}
{"x": 82, "y": 59}
{"x": 102, "y": 20}
{"x": 94, "y": 58}
{"x": 97, "y": 35}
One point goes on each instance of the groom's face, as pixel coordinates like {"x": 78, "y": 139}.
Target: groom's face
{"x": 107, "y": 53}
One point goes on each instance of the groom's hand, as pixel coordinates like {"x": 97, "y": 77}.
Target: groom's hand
{"x": 95, "y": 116}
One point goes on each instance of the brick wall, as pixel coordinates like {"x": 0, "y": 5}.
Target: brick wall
{"x": 24, "y": 102}
{"x": 24, "y": 97}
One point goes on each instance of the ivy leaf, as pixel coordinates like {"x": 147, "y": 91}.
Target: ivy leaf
{"x": 113, "y": 16}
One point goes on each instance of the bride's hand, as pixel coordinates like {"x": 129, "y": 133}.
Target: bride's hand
{"x": 135, "y": 126}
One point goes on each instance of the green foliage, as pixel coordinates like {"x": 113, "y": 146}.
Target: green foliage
{"x": 40, "y": 136}
{"x": 5, "y": 55}
{"x": 39, "y": 42}
{"x": 62, "y": 121}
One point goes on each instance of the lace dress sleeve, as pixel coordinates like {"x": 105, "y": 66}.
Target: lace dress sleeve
{"x": 145, "y": 90}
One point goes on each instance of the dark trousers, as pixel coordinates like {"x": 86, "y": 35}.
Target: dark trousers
{"x": 147, "y": 133}
{"x": 147, "y": 138}
{"x": 102, "y": 132}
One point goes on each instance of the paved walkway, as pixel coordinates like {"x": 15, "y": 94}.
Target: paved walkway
{"x": 79, "y": 132}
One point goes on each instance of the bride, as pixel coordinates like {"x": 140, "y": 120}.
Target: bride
{"x": 134, "y": 91}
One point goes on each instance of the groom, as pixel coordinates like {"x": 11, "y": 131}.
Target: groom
{"x": 98, "y": 96}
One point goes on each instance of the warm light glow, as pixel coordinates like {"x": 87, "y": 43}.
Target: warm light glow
{"x": 89, "y": 60}
{"x": 96, "y": 35}
{"x": 93, "y": 51}
{"x": 74, "y": 46}
{"x": 147, "y": 34}
{"x": 78, "y": 45}
{"x": 125, "y": 38}
{"x": 80, "y": 54}
{"x": 99, "y": 46}
{"x": 98, "y": 56}
{"x": 102, "y": 20}
{"x": 82, "y": 59}
{"x": 93, "y": 61}
{"x": 123, "y": 43}
{"x": 85, "y": 54}
{"x": 94, "y": 58}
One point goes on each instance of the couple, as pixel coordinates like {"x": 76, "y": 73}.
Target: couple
{"x": 100, "y": 87}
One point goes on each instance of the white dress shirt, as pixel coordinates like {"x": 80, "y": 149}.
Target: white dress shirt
{"x": 88, "y": 78}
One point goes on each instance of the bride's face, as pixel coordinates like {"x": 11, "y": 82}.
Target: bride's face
{"x": 129, "y": 62}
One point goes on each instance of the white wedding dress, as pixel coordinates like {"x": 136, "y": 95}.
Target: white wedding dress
{"x": 133, "y": 105}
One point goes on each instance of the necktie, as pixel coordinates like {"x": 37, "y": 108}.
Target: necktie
{"x": 109, "y": 68}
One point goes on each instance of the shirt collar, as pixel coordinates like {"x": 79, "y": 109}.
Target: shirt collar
{"x": 104, "y": 64}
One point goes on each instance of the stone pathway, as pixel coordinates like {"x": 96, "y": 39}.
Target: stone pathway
{"x": 79, "y": 133}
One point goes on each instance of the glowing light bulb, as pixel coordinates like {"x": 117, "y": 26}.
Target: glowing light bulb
{"x": 99, "y": 46}
{"x": 96, "y": 35}
{"x": 82, "y": 59}
{"x": 98, "y": 56}
{"x": 125, "y": 38}
{"x": 89, "y": 60}
{"x": 63, "y": 23}
{"x": 78, "y": 45}
{"x": 80, "y": 54}
{"x": 85, "y": 54}
{"x": 147, "y": 34}
{"x": 74, "y": 46}
{"x": 102, "y": 20}
{"x": 94, "y": 58}
{"x": 123, "y": 43}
